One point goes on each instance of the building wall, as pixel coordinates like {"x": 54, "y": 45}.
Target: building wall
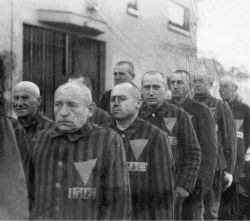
{"x": 145, "y": 40}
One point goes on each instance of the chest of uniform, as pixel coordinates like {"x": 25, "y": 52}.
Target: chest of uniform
{"x": 137, "y": 152}
{"x": 75, "y": 169}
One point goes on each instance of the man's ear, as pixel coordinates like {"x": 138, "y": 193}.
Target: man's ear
{"x": 91, "y": 109}
{"x": 138, "y": 103}
{"x": 39, "y": 100}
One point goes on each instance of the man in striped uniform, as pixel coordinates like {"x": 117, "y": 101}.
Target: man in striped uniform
{"x": 235, "y": 202}
{"x": 123, "y": 72}
{"x": 80, "y": 170}
{"x": 99, "y": 117}
{"x": 226, "y": 137}
{"x": 13, "y": 147}
{"x": 26, "y": 101}
{"x": 177, "y": 124}
{"x": 149, "y": 157}
{"x": 204, "y": 125}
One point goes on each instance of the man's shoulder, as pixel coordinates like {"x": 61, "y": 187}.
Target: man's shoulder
{"x": 173, "y": 110}
{"x": 103, "y": 132}
{"x": 101, "y": 112}
{"x": 146, "y": 125}
{"x": 198, "y": 107}
{"x": 12, "y": 121}
{"x": 45, "y": 121}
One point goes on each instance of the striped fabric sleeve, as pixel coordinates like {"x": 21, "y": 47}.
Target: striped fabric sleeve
{"x": 190, "y": 153}
{"x": 247, "y": 126}
{"x": 163, "y": 177}
{"x": 117, "y": 185}
{"x": 206, "y": 134}
{"x": 228, "y": 134}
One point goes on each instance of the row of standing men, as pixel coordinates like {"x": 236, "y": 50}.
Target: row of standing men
{"x": 153, "y": 159}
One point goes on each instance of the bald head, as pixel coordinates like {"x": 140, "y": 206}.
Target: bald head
{"x": 28, "y": 87}
{"x": 76, "y": 90}
{"x": 153, "y": 74}
{"x": 26, "y": 99}
{"x": 130, "y": 88}
{"x": 125, "y": 102}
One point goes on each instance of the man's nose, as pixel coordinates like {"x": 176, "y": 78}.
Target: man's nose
{"x": 175, "y": 85}
{"x": 64, "y": 110}
{"x": 19, "y": 101}
{"x": 117, "y": 76}
{"x": 151, "y": 91}
{"x": 116, "y": 101}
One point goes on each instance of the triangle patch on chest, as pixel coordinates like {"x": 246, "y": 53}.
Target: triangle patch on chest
{"x": 238, "y": 123}
{"x": 85, "y": 169}
{"x": 138, "y": 146}
{"x": 169, "y": 123}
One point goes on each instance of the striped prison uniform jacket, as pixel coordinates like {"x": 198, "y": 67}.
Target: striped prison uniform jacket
{"x": 150, "y": 164}
{"x": 100, "y": 117}
{"x": 185, "y": 147}
{"x": 80, "y": 176}
{"x": 241, "y": 113}
{"x": 13, "y": 194}
{"x": 226, "y": 131}
{"x": 34, "y": 125}
{"x": 205, "y": 129}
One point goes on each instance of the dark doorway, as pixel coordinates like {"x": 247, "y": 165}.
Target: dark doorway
{"x": 51, "y": 57}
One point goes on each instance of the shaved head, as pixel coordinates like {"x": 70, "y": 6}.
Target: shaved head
{"x": 80, "y": 90}
{"x": 155, "y": 73}
{"x": 125, "y": 102}
{"x": 131, "y": 88}
{"x": 29, "y": 87}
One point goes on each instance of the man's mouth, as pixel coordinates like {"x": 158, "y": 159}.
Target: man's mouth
{"x": 20, "y": 109}
{"x": 151, "y": 99}
{"x": 116, "y": 110}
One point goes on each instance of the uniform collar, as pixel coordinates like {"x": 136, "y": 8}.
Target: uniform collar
{"x": 130, "y": 130}
{"x": 202, "y": 97}
{"x": 184, "y": 104}
{"x": 73, "y": 136}
{"x": 33, "y": 121}
{"x": 146, "y": 111}
{"x": 234, "y": 103}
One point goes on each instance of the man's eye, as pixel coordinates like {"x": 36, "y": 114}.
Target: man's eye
{"x": 73, "y": 105}
{"x": 156, "y": 87}
{"x": 57, "y": 104}
{"x": 146, "y": 87}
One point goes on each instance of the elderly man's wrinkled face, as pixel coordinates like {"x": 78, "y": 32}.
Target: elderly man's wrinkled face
{"x": 227, "y": 90}
{"x": 25, "y": 102}
{"x": 153, "y": 89}
{"x": 201, "y": 83}
{"x": 70, "y": 108}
